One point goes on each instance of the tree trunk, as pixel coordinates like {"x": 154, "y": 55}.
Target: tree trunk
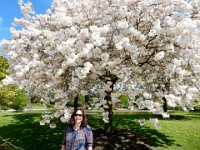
{"x": 87, "y": 99}
{"x": 113, "y": 79}
{"x": 164, "y": 104}
{"x": 167, "y": 86}
{"x": 75, "y": 102}
{"x": 108, "y": 126}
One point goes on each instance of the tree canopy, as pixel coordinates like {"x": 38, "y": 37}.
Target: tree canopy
{"x": 149, "y": 48}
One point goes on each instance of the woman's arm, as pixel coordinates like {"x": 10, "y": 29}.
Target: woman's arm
{"x": 63, "y": 147}
{"x": 64, "y": 141}
{"x": 89, "y": 138}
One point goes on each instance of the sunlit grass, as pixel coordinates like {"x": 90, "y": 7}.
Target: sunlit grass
{"x": 184, "y": 130}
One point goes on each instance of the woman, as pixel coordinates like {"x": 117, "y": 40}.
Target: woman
{"x": 78, "y": 135}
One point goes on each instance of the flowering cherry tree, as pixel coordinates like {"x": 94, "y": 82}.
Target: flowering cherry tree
{"x": 144, "y": 49}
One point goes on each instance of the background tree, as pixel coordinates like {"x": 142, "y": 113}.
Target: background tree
{"x": 3, "y": 67}
{"x": 79, "y": 44}
{"x": 7, "y": 94}
{"x": 10, "y": 96}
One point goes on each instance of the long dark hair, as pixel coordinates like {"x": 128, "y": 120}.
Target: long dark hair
{"x": 84, "y": 121}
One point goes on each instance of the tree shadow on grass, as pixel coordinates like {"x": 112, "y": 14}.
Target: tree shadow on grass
{"x": 193, "y": 114}
{"x": 127, "y": 134}
{"x": 145, "y": 134}
{"x": 118, "y": 139}
{"x": 27, "y": 133}
{"x": 174, "y": 116}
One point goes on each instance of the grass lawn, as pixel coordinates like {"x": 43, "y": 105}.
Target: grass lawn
{"x": 180, "y": 132}
{"x": 184, "y": 129}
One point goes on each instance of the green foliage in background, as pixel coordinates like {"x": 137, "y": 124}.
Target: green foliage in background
{"x": 3, "y": 67}
{"x": 12, "y": 97}
{"x": 124, "y": 100}
{"x": 197, "y": 104}
{"x": 7, "y": 94}
{"x": 20, "y": 100}
{"x": 81, "y": 101}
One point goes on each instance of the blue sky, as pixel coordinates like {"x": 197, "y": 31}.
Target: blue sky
{"x": 9, "y": 9}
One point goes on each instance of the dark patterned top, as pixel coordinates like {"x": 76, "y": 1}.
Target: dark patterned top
{"x": 78, "y": 139}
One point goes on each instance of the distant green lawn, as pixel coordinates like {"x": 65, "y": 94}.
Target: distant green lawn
{"x": 180, "y": 132}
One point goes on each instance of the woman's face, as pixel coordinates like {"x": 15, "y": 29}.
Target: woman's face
{"x": 78, "y": 118}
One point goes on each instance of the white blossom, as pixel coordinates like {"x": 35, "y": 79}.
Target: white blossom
{"x": 42, "y": 123}
{"x": 8, "y": 80}
{"x": 155, "y": 122}
{"x": 165, "y": 115}
{"x": 141, "y": 122}
{"x": 159, "y": 56}
{"x": 52, "y": 125}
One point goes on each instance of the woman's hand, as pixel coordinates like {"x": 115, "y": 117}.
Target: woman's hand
{"x": 89, "y": 148}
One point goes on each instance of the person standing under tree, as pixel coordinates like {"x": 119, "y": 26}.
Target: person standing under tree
{"x": 78, "y": 135}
